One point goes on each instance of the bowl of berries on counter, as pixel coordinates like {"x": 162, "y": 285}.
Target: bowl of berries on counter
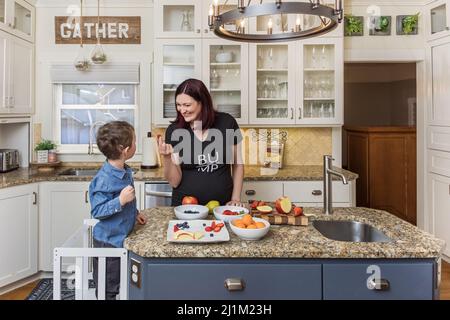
{"x": 229, "y": 213}
{"x": 191, "y": 212}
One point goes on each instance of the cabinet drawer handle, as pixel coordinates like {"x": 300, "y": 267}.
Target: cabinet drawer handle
{"x": 234, "y": 284}
{"x": 300, "y": 113}
{"x": 379, "y": 285}
{"x": 86, "y": 194}
{"x": 35, "y": 198}
{"x": 250, "y": 192}
{"x": 317, "y": 192}
{"x": 292, "y": 113}
{"x": 198, "y": 30}
{"x": 206, "y": 30}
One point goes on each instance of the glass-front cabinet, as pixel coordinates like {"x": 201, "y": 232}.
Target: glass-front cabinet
{"x": 272, "y": 99}
{"x": 178, "y": 18}
{"x": 225, "y": 73}
{"x": 17, "y": 17}
{"x": 438, "y": 19}
{"x": 297, "y": 83}
{"x": 320, "y": 79}
{"x": 175, "y": 61}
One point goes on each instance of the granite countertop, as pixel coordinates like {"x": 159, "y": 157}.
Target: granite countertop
{"x": 285, "y": 241}
{"x": 252, "y": 173}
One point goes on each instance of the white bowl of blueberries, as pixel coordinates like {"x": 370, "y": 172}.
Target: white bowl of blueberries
{"x": 191, "y": 212}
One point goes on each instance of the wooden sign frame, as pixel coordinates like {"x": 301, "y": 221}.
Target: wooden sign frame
{"x": 112, "y": 30}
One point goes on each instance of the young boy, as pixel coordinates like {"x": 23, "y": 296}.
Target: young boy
{"x": 112, "y": 197}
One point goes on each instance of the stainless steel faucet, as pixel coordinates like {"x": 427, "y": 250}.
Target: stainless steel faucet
{"x": 91, "y": 129}
{"x": 328, "y": 174}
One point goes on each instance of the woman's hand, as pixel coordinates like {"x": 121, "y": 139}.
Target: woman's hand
{"x": 165, "y": 149}
{"x": 141, "y": 218}
{"x": 236, "y": 203}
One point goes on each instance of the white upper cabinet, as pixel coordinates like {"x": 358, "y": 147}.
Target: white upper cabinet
{"x": 321, "y": 82}
{"x": 17, "y": 70}
{"x": 272, "y": 99}
{"x": 440, "y": 80}
{"x": 175, "y": 61}
{"x": 438, "y": 19}
{"x": 18, "y": 18}
{"x": 178, "y": 18}
{"x": 225, "y": 73}
{"x": 315, "y": 65}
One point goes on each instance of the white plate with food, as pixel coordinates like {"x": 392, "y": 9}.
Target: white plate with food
{"x": 197, "y": 231}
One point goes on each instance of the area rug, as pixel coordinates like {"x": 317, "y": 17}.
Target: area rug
{"x": 44, "y": 290}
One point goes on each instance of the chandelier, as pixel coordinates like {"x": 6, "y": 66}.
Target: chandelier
{"x": 329, "y": 18}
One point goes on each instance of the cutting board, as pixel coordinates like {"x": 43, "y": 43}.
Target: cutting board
{"x": 277, "y": 218}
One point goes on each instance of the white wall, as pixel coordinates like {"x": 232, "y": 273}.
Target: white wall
{"x": 385, "y": 48}
{"x": 47, "y": 53}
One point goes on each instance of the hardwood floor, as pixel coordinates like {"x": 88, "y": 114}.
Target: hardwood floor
{"x": 445, "y": 281}
{"x": 22, "y": 293}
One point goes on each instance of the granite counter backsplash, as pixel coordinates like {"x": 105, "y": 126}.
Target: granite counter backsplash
{"x": 285, "y": 241}
{"x": 252, "y": 173}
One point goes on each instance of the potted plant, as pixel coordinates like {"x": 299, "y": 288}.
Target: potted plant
{"x": 409, "y": 24}
{"x": 42, "y": 151}
{"x": 353, "y": 25}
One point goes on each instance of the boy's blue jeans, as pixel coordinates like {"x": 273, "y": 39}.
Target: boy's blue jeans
{"x": 112, "y": 273}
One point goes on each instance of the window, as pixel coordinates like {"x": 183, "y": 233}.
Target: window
{"x": 82, "y": 108}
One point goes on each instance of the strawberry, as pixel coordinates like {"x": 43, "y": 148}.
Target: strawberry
{"x": 217, "y": 229}
{"x": 220, "y": 225}
{"x": 213, "y": 225}
{"x": 298, "y": 211}
{"x": 208, "y": 229}
{"x": 175, "y": 228}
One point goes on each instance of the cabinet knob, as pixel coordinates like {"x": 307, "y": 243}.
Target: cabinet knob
{"x": 250, "y": 192}
{"x": 317, "y": 192}
{"x": 206, "y": 30}
{"x": 198, "y": 31}
{"x": 234, "y": 284}
{"x": 379, "y": 285}
{"x": 447, "y": 28}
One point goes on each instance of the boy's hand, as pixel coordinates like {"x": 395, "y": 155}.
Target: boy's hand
{"x": 126, "y": 195}
{"x": 141, "y": 218}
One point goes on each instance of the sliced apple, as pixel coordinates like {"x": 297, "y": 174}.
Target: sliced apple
{"x": 283, "y": 205}
{"x": 264, "y": 209}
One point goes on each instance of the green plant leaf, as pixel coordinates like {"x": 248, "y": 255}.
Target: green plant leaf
{"x": 45, "y": 145}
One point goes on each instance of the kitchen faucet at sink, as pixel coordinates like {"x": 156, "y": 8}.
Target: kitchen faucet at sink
{"x": 91, "y": 129}
{"x": 328, "y": 174}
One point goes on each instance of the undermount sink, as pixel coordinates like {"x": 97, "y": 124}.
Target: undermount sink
{"x": 352, "y": 231}
{"x": 79, "y": 172}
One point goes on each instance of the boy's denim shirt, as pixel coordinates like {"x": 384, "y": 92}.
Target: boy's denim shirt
{"x": 116, "y": 222}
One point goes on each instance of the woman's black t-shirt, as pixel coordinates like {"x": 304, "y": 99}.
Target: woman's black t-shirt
{"x": 205, "y": 166}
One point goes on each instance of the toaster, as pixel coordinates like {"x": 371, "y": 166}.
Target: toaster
{"x": 9, "y": 159}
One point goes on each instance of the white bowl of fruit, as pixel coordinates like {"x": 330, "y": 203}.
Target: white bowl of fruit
{"x": 229, "y": 213}
{"x": 191, "y": 212}
{"x": 249, "y": 228}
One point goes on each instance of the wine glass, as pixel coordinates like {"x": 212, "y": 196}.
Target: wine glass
{"x": 270, "y": 56}
{"x": 313, "y": 58}
{"x": 323, "y": 57}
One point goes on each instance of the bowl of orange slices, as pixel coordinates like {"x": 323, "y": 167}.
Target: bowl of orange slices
{"x": 249, "y": 228}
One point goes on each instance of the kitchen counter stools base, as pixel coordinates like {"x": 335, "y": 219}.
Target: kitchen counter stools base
{"x": 285, "y": 279}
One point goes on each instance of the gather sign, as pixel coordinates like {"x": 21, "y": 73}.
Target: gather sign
{"x": 110, "y": 30}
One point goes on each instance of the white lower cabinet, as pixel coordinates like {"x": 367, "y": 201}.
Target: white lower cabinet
{"x": 439, "y": 207}
{"x": 18, "y": 233}
{"x": 304, "y": 193}
{"x": 261, "y": 190}
{"x": 63, "y": 207}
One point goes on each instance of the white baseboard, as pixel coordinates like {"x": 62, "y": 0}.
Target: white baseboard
{"x": 23, "y": 282}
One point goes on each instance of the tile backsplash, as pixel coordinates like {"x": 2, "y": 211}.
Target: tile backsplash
{"x": 304, "y": 146}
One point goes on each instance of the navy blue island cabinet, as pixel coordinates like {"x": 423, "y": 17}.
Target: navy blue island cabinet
{"x": 285, "y": 279}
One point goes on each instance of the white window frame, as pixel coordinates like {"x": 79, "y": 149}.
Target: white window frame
{"x": 83, "y": 148}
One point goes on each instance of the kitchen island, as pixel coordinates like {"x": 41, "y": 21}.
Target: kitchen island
{"x": 290, "y": 262}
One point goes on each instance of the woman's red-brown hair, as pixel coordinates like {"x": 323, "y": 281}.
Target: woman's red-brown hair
{"x": 197, "y": 90}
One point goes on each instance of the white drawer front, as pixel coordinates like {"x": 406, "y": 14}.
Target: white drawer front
{"x": 261, "y": 190}
{"x": 439, "y": 138}
{"x": 439, "y": 162}
{"x": 312, "y": 191}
